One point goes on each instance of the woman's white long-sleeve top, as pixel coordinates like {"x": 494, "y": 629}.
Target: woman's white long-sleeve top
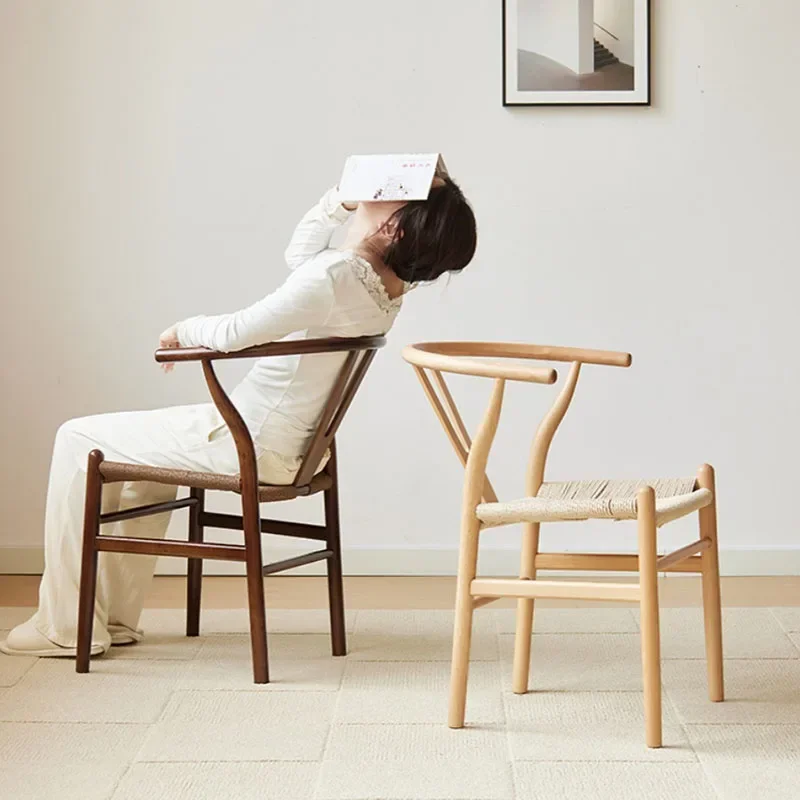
{"x": 328, "y": 293}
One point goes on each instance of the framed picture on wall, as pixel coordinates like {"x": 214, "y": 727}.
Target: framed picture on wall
{"x": 576, "y": 52}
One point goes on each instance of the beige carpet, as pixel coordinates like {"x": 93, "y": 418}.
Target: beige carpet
{"x": 179, "y": 718}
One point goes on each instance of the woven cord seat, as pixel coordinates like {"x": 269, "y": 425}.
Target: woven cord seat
{"x": 598, "y": 499}
{"x": 114, "y": 471}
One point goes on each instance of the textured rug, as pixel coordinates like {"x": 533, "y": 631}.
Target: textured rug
{"x": 180, "y": 718}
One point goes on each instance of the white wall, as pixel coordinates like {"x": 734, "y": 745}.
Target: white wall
{"x": 558, "y": 29}
{"x": 617, "y": 17}
{"x": 154, "y": 157}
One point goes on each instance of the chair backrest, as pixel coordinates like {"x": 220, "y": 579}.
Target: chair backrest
{"x": 360, "y": 353}
{"x": 489, "y": 360}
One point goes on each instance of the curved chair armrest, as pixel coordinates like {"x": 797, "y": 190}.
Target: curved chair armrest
{"x": 461, "y": 365}
{"x": 283, "y": 348}
{"x": 460, "y": 350}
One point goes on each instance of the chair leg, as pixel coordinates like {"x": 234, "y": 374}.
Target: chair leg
{"x": 462, "y": 634}
{"x": 524, "y": 629}
{"x": 335, "y": 583}
{"x": 88, "y": 587}
{"x": 712, "y": 607}
{"x": 251, "y": 523}
{"x": 194, "y": 577}
{"x": 648, "y": 581}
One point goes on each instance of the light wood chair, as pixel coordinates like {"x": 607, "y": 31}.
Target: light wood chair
{"x": 357, "y": 355}
{"x": 650, "y": 503}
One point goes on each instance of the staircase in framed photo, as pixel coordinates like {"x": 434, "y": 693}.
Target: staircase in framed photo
{"x": 603, "y": 57}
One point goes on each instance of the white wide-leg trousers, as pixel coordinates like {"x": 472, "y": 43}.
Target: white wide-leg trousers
{"x": 184, "y": 437}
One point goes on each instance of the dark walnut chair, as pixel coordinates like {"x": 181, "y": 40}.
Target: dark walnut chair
{"x": 359, "y": 355}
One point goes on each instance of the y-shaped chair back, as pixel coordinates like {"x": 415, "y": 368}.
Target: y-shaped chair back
{"x": 480, "y": 359}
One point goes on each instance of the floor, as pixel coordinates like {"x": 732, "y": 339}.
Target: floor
{"x": 537, "y": 73}
{"x": 179, "y": 718}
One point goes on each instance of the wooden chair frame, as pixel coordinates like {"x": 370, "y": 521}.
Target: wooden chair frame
{"x": 701, "y": 556}
{"x": 360, "y": 353}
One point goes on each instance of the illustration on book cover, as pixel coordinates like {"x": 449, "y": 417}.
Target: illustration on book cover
{"x": 392, "y": 189}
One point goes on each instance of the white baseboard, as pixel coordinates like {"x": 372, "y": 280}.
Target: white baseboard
{"x": 378, "y": 561}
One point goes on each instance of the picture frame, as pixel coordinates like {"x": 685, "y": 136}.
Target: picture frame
{"x": 576, "y": 52}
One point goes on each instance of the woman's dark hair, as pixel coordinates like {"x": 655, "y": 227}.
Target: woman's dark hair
{"x": 432, "y": 236}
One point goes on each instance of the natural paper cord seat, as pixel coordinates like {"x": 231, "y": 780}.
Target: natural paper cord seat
{"x": 600, "y": 499}
{"x": 650, "y": 503}
{"x": 116, "y": 471}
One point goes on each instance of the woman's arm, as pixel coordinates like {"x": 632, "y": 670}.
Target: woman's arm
{"x": 304, "y": 301}
{"x": 313, "y": 233}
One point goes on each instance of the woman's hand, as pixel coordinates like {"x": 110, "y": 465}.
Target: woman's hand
{"x": 347, "y": 206}
{"x": 167, "y": 341}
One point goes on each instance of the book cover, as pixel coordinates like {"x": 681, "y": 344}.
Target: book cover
{"x": 393, "y": 177}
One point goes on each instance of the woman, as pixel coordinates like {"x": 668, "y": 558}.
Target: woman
{"x": 353, "y": 291}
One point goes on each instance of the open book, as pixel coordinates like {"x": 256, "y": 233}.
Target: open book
{"x": 390, "y": 177}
